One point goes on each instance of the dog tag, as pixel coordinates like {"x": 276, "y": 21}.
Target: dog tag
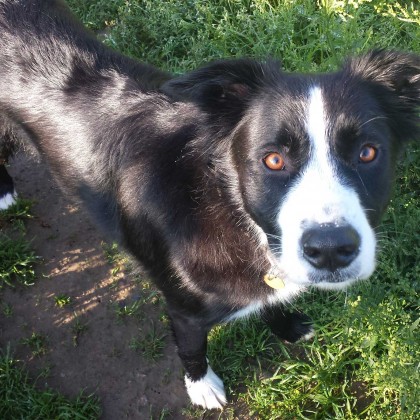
{"x": 273, "y": 281}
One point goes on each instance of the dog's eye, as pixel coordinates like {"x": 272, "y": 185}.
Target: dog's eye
{"x": 274, "y": 161}
{"x": 367, "y": 153}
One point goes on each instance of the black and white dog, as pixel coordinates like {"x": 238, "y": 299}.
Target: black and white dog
{"x": 237, "y": 186}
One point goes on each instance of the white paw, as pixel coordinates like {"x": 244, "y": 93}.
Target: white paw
{"x": 208, "y": 392}
{"x": 308, "y": 336}
{"x": 7, "y": 200}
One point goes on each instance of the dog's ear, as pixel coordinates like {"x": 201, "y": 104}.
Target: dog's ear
{"x": 224, "y": 88}
{"x": 394, "y": 78}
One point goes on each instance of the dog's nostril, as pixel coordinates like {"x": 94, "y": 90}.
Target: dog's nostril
{"x": 329, "y": 246}
{"x": 346, "y": 251}
{"x": 312, "y": 252}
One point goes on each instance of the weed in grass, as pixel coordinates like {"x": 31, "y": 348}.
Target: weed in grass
{"x": 167, "y": 374}
{"x": 111, "y": 252}
{"x": 151, "y": 345}
{"x": 164, "y": 318}
{"x": 19, "y": 211}
{"x": 16, "y": 261}
{"x": 165, "y": 413}
{"x": 149, "y": 293}
{"x": 7, "y": 310}
{"x": 114, "y": 284}
{"x": 124, "y": 310}
{"x": 16, "y": 258}
{"x": 37, "y": 343}
{"x": 44, "y": 372}
{"x": 78, "y": 328}
{"x": 114, "y": 257}
{"x": 62, "y": 300}
{"x": 20, "y": 398}
{"x": 116, "y": 352}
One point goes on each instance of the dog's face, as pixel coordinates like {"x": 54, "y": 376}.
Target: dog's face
{"x": 315, "y": 174}
{"x": 314, "y": 156}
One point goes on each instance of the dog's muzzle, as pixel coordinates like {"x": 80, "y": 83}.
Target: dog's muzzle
{"x": 330, "y": 247}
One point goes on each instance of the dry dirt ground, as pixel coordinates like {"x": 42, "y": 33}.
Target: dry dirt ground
{"x": 74, "y": 265}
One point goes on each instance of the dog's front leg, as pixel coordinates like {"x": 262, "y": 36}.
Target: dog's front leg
{"x": 289, "y": 326}
{"x": 204, "y": 387}
{"x": 7, "y": 190}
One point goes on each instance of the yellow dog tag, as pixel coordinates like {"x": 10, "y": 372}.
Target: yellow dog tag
{"x": 273, "y": 281}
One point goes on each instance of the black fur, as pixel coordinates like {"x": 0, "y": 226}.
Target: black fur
{"x": 150, "y": 155}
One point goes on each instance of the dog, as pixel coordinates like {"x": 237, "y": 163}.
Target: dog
{"x": 237, "y": 186}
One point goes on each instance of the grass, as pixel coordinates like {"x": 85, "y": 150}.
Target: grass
{"x": 16, "y": 256}
{"x": 37, "y": 343}
{"x": 78, "y": 328}
{"x": 21, "y": 399}
{"x": 7, "y": 310}
{"x": 20, "y": 396}
{"x": 150, "y": 344}
{"x": 113, "y": 256}
{"x": 16, "y": 261}
{"x": 125, "y": 309}
{"x": 62, "y": 300}
{"x": 364, "y": 361}
{"x": 306, "y": 35}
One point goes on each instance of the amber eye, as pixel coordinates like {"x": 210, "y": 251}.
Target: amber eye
{"x": 367, "y": 153}
{"x": 274, "y": 161}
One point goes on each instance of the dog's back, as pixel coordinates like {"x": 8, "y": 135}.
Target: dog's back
{"x": 42, "y": 41}
{"x": 57, "y": 82}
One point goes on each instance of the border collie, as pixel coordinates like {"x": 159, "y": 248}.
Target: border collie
{"x": 237, "y": 185}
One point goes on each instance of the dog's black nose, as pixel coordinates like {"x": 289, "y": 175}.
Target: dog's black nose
{"x": 330, "y": 247}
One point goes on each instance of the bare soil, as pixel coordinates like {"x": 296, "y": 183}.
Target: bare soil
{"x": 100, "y": 360}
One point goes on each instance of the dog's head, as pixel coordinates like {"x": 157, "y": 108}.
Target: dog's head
{"x": 314, "y": 154}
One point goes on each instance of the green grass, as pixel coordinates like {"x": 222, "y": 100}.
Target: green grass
{"x": 17, "y": 259}
{"x": 124, "y": 310}
{"x": 37, "y": 343}
{"x": 62, "y": 300}
{"x": 21, "y": 399}
{"x": 150, "y": 344}
{"x": 78, "y": 328}
{"x": 306, "y": 35}
{"x": 364, "y": 361}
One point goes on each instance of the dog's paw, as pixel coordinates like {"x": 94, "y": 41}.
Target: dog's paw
{"x": 291, "y": 327}
{"x": 297, "y": 328}
{"x": 7, "y": 200}
{"x": 208, "y": 392}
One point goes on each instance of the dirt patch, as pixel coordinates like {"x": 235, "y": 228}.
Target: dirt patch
{"x": 98, "y": 358}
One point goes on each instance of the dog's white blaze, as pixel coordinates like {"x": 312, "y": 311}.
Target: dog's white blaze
{"x": 319, "y": 196}
{"x": 208, "y": 392}
{"x": 7, "y": 200}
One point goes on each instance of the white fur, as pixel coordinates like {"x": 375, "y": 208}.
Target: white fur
{"x": 7, "y": 200}
{"x": 208, "y": 392}
{"x": 319, "y": 196}
{"x": 308, "y": 336}
{"x": 287, "y": 294}
{"x": 284, "y": 295}
{"x": 246, "y": 311}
